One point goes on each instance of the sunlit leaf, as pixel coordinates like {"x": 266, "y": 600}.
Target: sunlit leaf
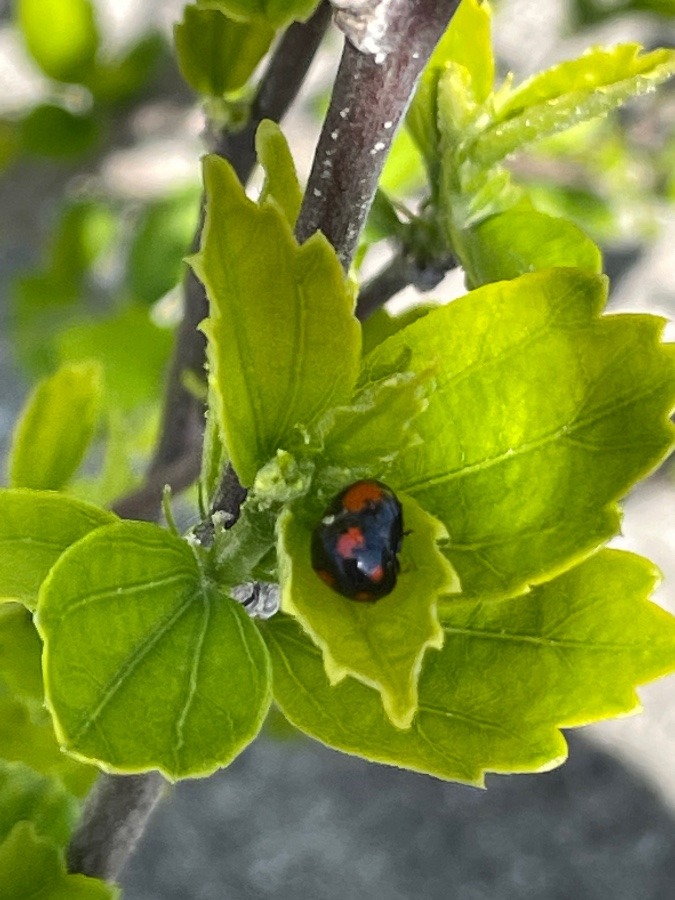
{"x": 281, "y": 180}
{"x": 516, "y": 242}
{"x": 543, "y": 415}
{"x": 568, "y": 93}
{"x": 283, "y": 344}
{"x": 180, "y": 684}
{"x": 381, "y": 643}
{"x": 35, "y": 528}
{"x": 510, "y": 674}
{"x": 466, "y": 44}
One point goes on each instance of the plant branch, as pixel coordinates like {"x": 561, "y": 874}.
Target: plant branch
{"x": 114, "y": 817}
{"x": 372, "y": 91}
{"x": 403, "y": 270}
{"x": 117, "y": 809}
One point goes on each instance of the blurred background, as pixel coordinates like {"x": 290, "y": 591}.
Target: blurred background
{"x": 99, "y": 195}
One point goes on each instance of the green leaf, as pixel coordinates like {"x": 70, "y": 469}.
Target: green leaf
{"x": 281, "y": 181}
{"x": 513, "y": 243}
{"x": 543, "y": 415}
{"x": 160, "y": 241}
{"x": 35, "y": 529}
{"x": 26, "y": 732}
{"x": 571, "y": 92}
{"x": 283, "y": 344}
{"x": 10, "y": 143}
{"x": 132, "y": 350}
{"x": 56, "y": 427}
{"x": 510, "y": 674}
{"x": 29, "y": 797}
{"x": 29, "y": 738}
{"x": 20, "y": 654}
{"x": 180, "y": 684}
{"x": 382, "y": 643}
{"x": 45, "y": 301}
{"x": 403, "y": 171}
{"x": 84, "y": 231}
{"x": 116, "y": 81}
{"x": 382, "y": 324}
{"x": 60, "y": 35}
{"x": 467, "y": 43}
{"x": 32, "y": 867}
{"x": 52, "y": 131}
{"x": 277, "y": 13}
{"x": 118, "y": 475}
{"x": 217, "y": 55}
{"x": 365, "y": 436}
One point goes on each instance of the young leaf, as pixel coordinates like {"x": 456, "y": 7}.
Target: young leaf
{"x": 281, "y": 180}
{"x": 31, "y": 866}
{"x": 180, "y": 684}
{"x": 56, "y": 427}
{"x": 60, "y": 35}
{"x": 543, "y": 415}
{"x": 510, "y": 674}
{"x": 382, "y": 643}
{"x": 365, "y": 436}
{"x": 27, "y": 796}
{"x": 515, "y": 242}
{"x": 277, "y": 13}
{"x": 35, "y": 529}
{"x": 216, "y": 54}
{"x": 283, "y": 343}
{"x": 466, "y": 43}
{"x": 571, "y": 92}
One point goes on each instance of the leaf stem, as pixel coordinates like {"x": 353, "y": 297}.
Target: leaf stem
{"x": 404, "y": 269}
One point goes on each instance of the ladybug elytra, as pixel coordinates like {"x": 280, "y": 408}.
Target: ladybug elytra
{"x": 355, "y": 545}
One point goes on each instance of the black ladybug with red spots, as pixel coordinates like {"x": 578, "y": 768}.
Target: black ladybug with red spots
{"x": 355, "y": 545}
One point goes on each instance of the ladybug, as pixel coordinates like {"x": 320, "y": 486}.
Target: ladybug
{"x": 355, "y": 545}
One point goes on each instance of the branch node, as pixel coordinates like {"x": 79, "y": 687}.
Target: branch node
{"x": 367, "y": 25}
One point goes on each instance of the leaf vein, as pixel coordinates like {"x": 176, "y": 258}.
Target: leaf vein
{"x": 128, "y": 667}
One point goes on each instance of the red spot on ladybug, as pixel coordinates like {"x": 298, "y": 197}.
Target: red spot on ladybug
{"x": 325, "y": 576}
{"x": 355, "y": 545}
{"x": 349, "y": 542}
{"x": 362, "y": 493}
